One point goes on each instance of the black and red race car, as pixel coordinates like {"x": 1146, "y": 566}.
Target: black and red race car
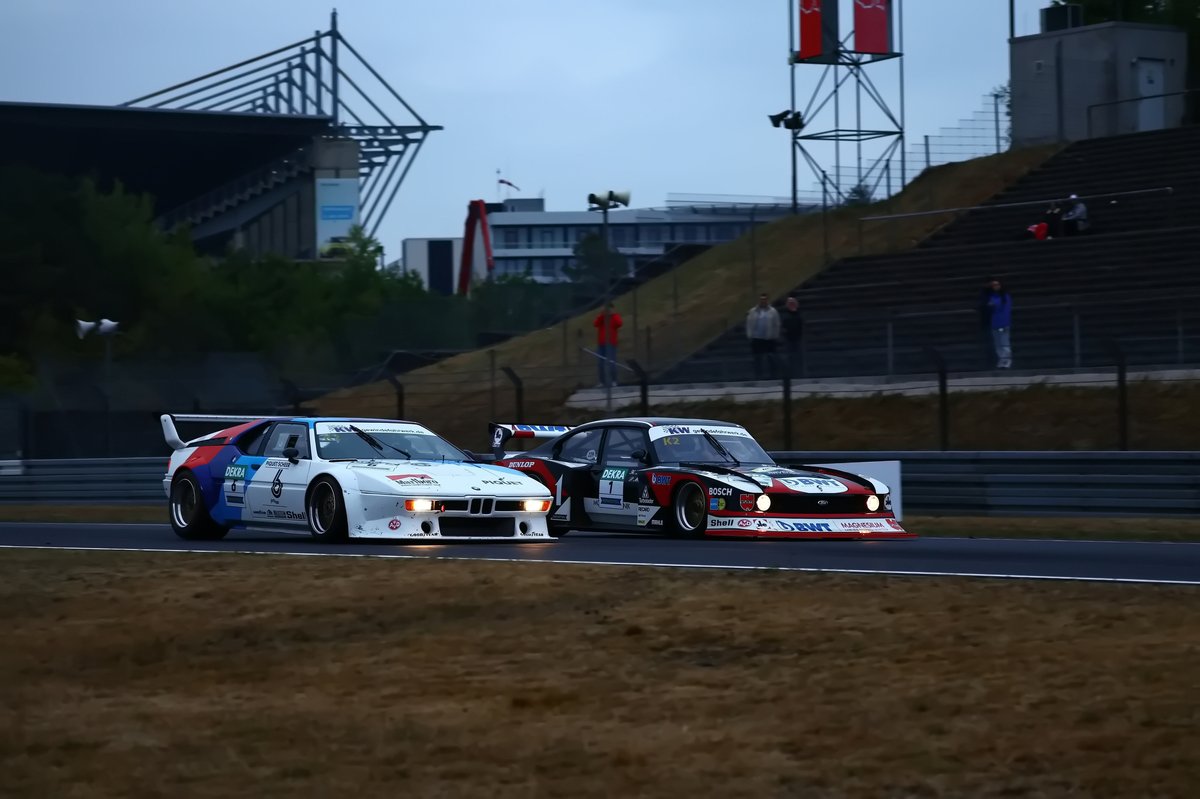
{"x": 691, "y": 478}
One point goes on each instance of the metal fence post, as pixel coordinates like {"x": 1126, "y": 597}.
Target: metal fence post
{"x": 649, "y": 348}
{"x": 943, "y": 398}
{"x": 787, "y": 408}
{"x": 643, "y": 384}
{"x": 492, "y": 379}
{"x": 891, "y": 350}
{"x": 1179, "y": 335}
{"x": 398, "y": 388}
{"x": 1118, "y": 355}
{"x": 1078, "y": 338}
{"x": 564, "y": 342}
{"x": 519, "y": 389}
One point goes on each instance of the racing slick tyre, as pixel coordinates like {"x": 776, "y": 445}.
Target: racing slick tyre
{"x": 689, "y": 511}
{"x": 189, "y": 517}
{"x": 326, "y": 511}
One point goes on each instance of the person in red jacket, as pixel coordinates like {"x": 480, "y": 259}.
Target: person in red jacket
{"x": 607, "y": 323}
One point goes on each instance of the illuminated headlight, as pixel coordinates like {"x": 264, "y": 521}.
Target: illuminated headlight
{"x": 763, "y": 502}
{"x": 418, "y": 505}
{"x": 873, "y": 503}
{"x": 536, "y": 505}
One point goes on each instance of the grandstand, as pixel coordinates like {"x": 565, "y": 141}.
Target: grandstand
{"x": 245, "y": 155}
{"x": 1129, "y": 281}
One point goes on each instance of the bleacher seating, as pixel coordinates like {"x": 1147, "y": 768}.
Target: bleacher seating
{"x": 1131, "y": 279}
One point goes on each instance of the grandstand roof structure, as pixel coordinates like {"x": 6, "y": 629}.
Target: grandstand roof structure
{"x": 172, "y": 155}
{"x": 322, "y": 76}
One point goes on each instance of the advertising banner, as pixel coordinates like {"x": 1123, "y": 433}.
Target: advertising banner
{"x": 337, "y": 212}
{"x": 873, "y": 26}
{"x": 818, "y": 29}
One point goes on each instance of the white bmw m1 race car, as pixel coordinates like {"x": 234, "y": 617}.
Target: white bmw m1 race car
{"x": 342, "y": 478}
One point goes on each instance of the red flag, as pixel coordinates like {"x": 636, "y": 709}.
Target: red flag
{"x": 873, "y": 26}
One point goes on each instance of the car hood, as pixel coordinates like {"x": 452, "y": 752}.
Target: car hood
{"x": 435, "y": 479}
{"x": 794, "y": 480}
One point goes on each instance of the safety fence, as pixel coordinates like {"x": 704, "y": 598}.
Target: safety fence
{"x": 1113, "y": 484}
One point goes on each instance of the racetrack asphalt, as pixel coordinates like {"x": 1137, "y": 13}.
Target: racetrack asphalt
{"x": 975, "y": 557}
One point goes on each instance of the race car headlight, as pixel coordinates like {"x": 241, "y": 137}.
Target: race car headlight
{"x": 873, "y": 503}
{"x": 763, "y": 502}
{"x": 536, "y": 505}
{"x": 418, "y": 505}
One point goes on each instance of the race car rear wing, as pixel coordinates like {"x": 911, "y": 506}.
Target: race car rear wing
{"x": 502, "y": 433}
{"x": 172, "y": 435}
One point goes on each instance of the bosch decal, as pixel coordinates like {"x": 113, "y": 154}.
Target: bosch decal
{"x": 720, "y": 491}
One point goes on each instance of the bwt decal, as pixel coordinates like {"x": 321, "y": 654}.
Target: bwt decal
{"x": 720, "y": 492}
{"x": 805, "y": 527}
{"x": 813, "y": 485}
{"x": 541, "y": 428}
{"x": 660, "y": 479}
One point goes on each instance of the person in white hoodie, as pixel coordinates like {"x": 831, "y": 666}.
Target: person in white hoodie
{"x": 1075, "y": 220}
{"x": 762, "y": 329}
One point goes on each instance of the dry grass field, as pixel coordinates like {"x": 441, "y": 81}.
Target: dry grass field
{"x": 221, "y": 675}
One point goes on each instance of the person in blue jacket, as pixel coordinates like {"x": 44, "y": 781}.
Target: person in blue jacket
{"x": 999, "y": 305}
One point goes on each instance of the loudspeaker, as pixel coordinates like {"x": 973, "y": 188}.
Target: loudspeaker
{"x": 606, "y": 199}
{"x": 777, "y": 119}
{"x": 103, "y": 327}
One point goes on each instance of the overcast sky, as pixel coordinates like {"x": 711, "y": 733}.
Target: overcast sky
{"x": 564, "y": 96}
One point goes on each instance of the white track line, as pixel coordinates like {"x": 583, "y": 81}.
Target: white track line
{"x": 810, "y": 569}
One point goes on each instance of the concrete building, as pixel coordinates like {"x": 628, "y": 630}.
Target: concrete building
{"x": 1096, "y": 80}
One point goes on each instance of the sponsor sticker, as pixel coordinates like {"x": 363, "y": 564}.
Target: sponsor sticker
{"x": 394, "y": 524}
{"x": 501, "y": 481}
{"x": 814, "y": 485}
{"x": 278, "y": 463}
{"x": 660, "y": 479}
{"x": 866, "y": 524}
{"x": 804, "y": 527}
{"x": 413, "y": 479}
{"x": 235, "y": 472}
{"x": 895, "y": 525}
{"x": 521, "y": 464}
{"x": 747, "y": 502}
{"x": 716, "y": 503}
{"x": 720, "y": 491}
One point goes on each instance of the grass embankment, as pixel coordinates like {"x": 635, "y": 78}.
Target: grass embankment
{"x": 683, "y": 310}
{"x": 204, "y": 675}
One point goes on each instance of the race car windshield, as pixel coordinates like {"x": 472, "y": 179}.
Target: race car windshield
{"x": 337, "y": 442}
{"x": 698, "y": 448}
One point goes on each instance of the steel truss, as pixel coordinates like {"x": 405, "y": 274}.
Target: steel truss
{"x": 309, "y": 78}
{"x": 843, "y": 69}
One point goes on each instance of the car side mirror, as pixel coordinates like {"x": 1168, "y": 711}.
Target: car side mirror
{"x": 292, "y": 454}
{"x": 471, "y": 456}
{"x": 641, "y": 456}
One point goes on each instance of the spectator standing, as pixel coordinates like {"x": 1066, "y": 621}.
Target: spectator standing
{"x": 607, "y": 323}
{"x": 762, "y": 328}
{"x": 1000, "y": 308}
{"x": 1075, "y": 220}
{"x": 793, "y": 328}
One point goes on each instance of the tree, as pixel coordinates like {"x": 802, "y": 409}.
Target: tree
{"x": 596, "y": 266}
{"x": 1004, "y": 93}
{"x": 858, "y": 195}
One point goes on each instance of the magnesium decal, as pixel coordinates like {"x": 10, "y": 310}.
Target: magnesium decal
{"x": 720, "y": 491}
{"x": 863, "y": 525}
{"x": 747, "y": 502}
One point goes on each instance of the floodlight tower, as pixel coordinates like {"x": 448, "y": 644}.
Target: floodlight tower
{"x": 815, "y": 40}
